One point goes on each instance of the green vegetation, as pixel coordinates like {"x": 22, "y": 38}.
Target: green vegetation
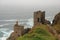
{"x": 39, "y": 32}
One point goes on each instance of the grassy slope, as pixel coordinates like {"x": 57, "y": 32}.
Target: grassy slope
{"x": 39, "y": 32}
{"x": 57, "y": 28}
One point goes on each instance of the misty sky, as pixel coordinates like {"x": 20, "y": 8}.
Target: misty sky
{"x": 25, "y": 8}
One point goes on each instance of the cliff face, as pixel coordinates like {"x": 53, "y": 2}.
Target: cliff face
{"x": 56, "y": 23}
{"x": 56, "y": 19}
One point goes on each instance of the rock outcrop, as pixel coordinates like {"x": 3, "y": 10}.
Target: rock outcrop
{"x": 56, "y": 19}
{"x": 56, "y": 23}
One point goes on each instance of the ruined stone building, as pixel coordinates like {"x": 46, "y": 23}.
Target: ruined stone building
{"x": 39, "y": 17}
{"x": 18, "y": 31}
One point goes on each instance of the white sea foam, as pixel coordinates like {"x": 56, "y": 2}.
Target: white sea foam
{"x": 9, "y": 20}
{"x": 3, "y": 38}
{"x": 4, "y": 24}
{"x": 15, "y": 20}
{"x": 5, "y": 35}
{"x": 1, "y": 25}
{"x": 48, "y": 17}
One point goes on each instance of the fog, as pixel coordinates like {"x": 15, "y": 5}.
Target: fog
{"x": 25, "y": 8}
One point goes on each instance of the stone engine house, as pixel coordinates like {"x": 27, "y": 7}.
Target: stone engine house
{"x": 39, "y": 17}
{"x": 18, "y": 31}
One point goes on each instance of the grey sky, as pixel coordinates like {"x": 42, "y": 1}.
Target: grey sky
{"x": 27, "y": 7}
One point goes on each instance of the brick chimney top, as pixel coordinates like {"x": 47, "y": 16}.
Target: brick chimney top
{"x": 16, "y": 23}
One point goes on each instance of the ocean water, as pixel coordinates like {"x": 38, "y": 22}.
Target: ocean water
{"x": 7, "y": 26}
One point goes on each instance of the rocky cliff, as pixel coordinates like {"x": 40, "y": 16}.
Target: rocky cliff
{"x": 56, "y": 24}
{"x": 42, "y": 29}
{"x": 56, "y": 19}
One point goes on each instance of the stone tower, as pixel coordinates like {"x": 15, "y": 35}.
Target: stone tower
{"x": 39, "y": 17}
{"x": 18, "y": 29}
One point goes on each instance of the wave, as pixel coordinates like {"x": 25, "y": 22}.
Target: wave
{"x": 48, "y": 17}
{"x": 9, "y": 20}
{"x": 3, "y": 38}
{"x": 4, "y": 25}
{"x": 5, "y": 33}
{"x": 23, "y": 20}
{"x": 14, "y": 20}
